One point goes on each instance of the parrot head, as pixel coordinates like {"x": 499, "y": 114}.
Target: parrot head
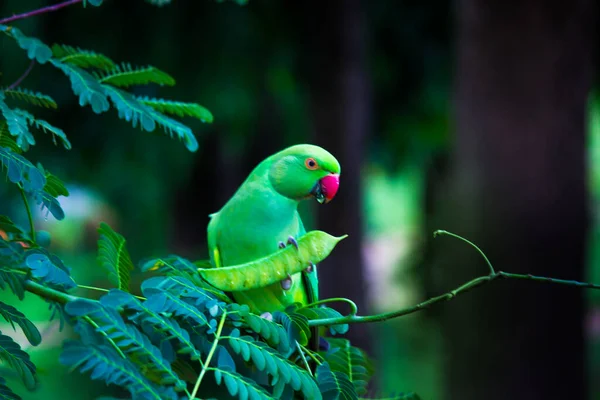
{"x": 304, "y": 171}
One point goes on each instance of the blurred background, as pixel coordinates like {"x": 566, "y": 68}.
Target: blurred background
{"x": 474, "y": 116}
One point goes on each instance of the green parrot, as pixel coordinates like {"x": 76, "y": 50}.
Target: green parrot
{"x": 262, "y": 217}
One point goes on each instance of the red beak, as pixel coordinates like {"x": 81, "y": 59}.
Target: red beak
{"x": 329, "y": 186}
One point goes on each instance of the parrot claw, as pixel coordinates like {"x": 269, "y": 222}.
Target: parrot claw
{"x": 292, "y": 241}
{"x": 267, "y": 315}
{"x": 311, "y": 267}
{"x": 281, "y": 245}
{"x": 286, "y": 284}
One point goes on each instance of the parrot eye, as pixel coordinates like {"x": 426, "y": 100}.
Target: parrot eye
{"x": 311, "y": 163}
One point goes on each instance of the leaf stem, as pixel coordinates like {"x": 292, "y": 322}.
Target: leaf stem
{"x": 29, "y": 215}
{"x": 210, "y": 355}
{"x": 23, "y": 76}
{"x": 105, "y": 290}
{"x": 48, "y": 293}
{"x": 352, "y": 304}
{"x": 39, "y": 11}
{"x": 476, "y": 282}
{"x": 303, "y": 358}
{"x": 100, "y": 331}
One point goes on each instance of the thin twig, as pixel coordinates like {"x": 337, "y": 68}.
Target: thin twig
{"x": 303, "y": 358}
{"x": 481, "y": 280}
{"x": 209, "y": 357}
{"x": 29, "y": 215}
{"x": 23, "y": 76}
{"x": 105, "y": 290}
{"x": 39, "y": 11}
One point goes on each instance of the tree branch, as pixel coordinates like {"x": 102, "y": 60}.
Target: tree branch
{"x": 39, "y": 11}
{"x": 479, "y": 281}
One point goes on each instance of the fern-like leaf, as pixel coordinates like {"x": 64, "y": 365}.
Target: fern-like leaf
{"x": 17, "y": 125}
{"x": 14, "y": 316}
{"x": 82, "y": 58}
{"x": 6, "y": 140}
{"x": 45, "y": 127}
{"x": 6, "y": 393}
{"x": 267, "y": 359}
{"x": 10, "y": 228}
{"x": 12, "y": 274}
{"x": 17, "y": 359}
{"x": 54, "y": 186}
{"x": 49, "y": 269}
{"x": 272, "y": 332}
{"x": 324, "y": 312}
{"x": 85, "y": 86}
{"x": 36, "y": 50}
{"x": 34, "y": 98}
{"x": 130, "y": 109}
{"x": 143, "y": 315}
{"x": 240, "y": 386}
{"x": 296, "y": 326}
{"x": 105, "y": 364}
{"x": 114, "y": 257}
{"x": 125, "y": 75}
{"x": 351, "y": 361}
{"x": 161, "y": 302}
{"x": 129, "y": 339}
{"x": 178, "y": 108}
{"x": 184, "y": 288}
{"x": 335, "y": 385}
{"x": 21, "y": 171}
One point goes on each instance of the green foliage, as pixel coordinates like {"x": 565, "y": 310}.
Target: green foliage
{"x": 125, "y": 75}
{"x": 14, "y": 316}
{"x": 81, "y": 58}
{"x": 114, "y": 257}
{"x": 184, "y": 333}
{"x": 17, "y": 359}
{"x": 37, "y": 99}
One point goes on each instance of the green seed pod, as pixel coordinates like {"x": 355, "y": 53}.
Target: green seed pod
{"x": 313, "y": 247}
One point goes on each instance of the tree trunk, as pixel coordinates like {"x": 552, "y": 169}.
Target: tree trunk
{"x": 517, "y": 189}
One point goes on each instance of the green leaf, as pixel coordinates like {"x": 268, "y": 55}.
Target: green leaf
{"x": 17, "y": 359}
{"x": 95, "y": 3}
{"x": 49, "y": 269}
{"x": 270, "y": 331}
{"x": 10, "y": 227}
{"x": 178, "y": 108}
{"x": 125, "y": 75}
{"x": 240, "y": 386}
{"x": 335, "y": 385}
{"x": 6, "y": 393}
{"x": 45, "y": 127}
{"x": 85, "y": 86}
{"x": 6, "y": 140}
{"x": 17, "y": 125}
{"x": 36, "y": 50}
{"x": 296, "y": 326}
{"x": 114, "y": 257}
{"x": 130, "y": 109}
{"x": 106, "y": 364}
{"x": 54, "y": 186}
{"x": 82, "y": 58}
{"x": 20, "y": 171}
{"x": 12, "y": 315}
{"x": 34, "y": 98}
{"x": 324, "y": 312}
{"x": 351, "y": 361}
{"x": 128, "y": 338}
{"x": 267, "y": 359}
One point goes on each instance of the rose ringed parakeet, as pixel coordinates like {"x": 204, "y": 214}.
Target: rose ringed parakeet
{"x": 262, "y": 216}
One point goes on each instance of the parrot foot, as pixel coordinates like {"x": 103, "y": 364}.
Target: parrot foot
{"x": 292, "y": 241}
{"x": 310, "y": 268}
{"x": 286, "y": 284}
{"x": 267, "y": 315}
{"x": 281, "y": 245}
